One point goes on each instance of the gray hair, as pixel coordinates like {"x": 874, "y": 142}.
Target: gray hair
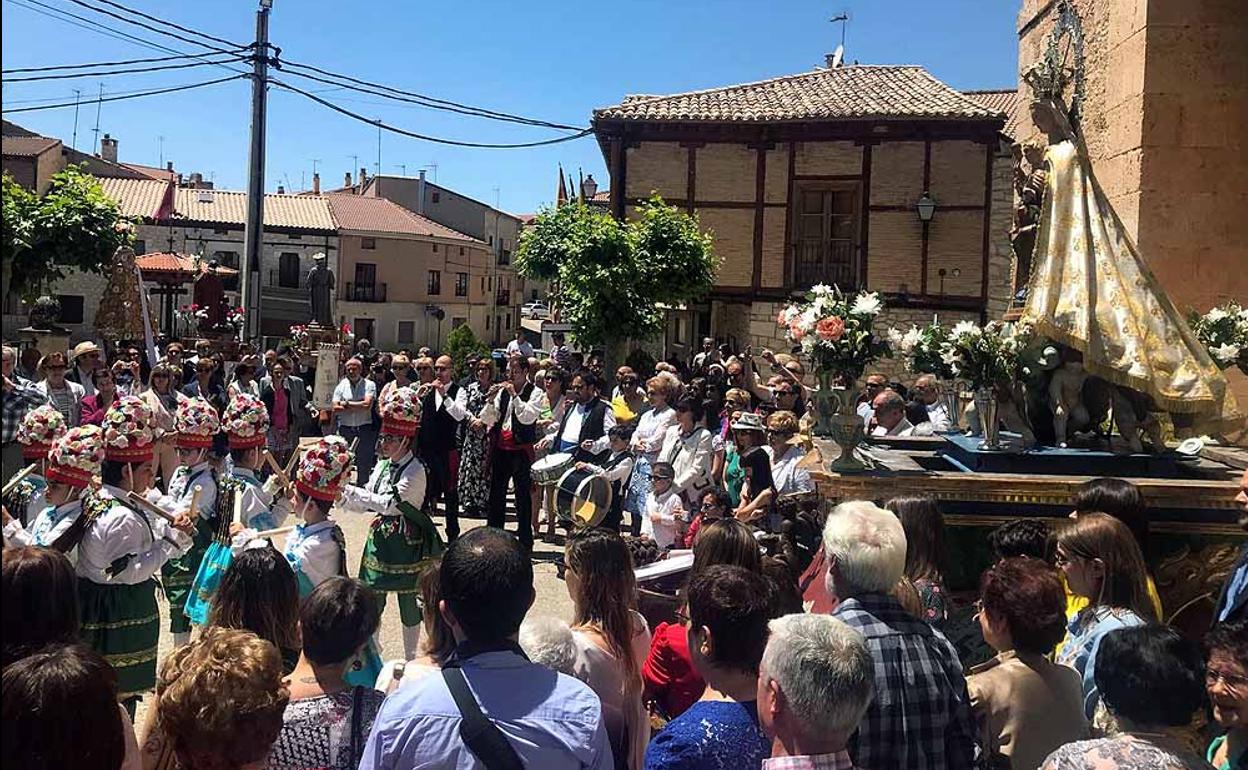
{"x": 824, "y": 669}
{"x": 868, "y": 545}
{"x": 10, "y": 353}
{"x": 548, "y": 641}
{"x": 890, "y": 400}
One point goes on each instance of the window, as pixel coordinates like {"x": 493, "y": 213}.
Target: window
{"x": 491, "y": 240}
{"x": 435, "y": 248}
{"x": 220, "y": 231}
{"x": 140, "y": 247}
{"x": 295, "y": 236}
{"x": 461, "y": 284}
{"x": 437, "y": 197}
{"x": 435, "y": 282}
{"x": 504, "y": 257}
{"x": 483, "y": 284}
{"x": 461, "y": 251}
{"x": 825, "y": 236}
{"x": 230, "y": 259}
{"x": 487, "y": 323}
{"x": 458, "y": 322}
{"x": 368, "y": 243}
{"x": 508, "y": 317}
{"x": 406, "y": 333}
{"x": 288, "y": 271}
{"x": 71, "y": 308}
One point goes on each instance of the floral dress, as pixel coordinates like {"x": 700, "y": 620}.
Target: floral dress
{"x": 474, "y": 479}
{"x": 326, "y": 731}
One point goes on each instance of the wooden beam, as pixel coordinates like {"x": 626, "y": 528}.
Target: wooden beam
{"x": 682, "y": 203}
{"x": 691, "y": 182}
{"x": 788, "y": 216}
{"x": 939, "y": 208}
{"x": 864, "y": 256}
{"x": 990, "y": 151}
{"x": 617, "y": 176}
{"x": 927, "y": 225}
{"x": 826, "y": 177}
{"x": 760, "y": 199}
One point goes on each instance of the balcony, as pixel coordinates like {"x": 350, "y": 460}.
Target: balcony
{"x": 503, "y": 298}
{"x": 365, "y": 292}
{"x": 833, "y": 263}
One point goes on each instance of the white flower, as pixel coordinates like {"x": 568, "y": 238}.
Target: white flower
{"x": 821, "y": 290}
{"x": 1226, "y": 352}
{"x": 1215, "y": 315}
{"x": 807, "y": 320}
{"x": 911, "y": 339}
{"x": 950, "y": 356}
{"x": 808, "y": 344}
{"x": 965, "y": 328}
{"x": 867, "y": 304}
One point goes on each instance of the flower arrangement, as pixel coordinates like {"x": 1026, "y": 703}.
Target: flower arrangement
{"x": 299, "y": 335}
{"x": 192, "y": 314}
{"x": 835, "y": 331}
{"x": 400, "y": 412}
{"x": 323, "y": 469}
{"x": 235, "y": 317}
{"x": 196, "y": 423}
{"x": 922, "y": 349}
{"x": 39, "y": 428}
{"x": 76, "y": 456}
{"x": 246, "y": 421}
{"x": 988, "y": 355}
{"x": 128, "y": 432}
{"x": 1224, "y": 333}
{"x": 347, "y": 335}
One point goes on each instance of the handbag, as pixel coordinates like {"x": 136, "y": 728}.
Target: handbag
{"x": 483, "y": 738}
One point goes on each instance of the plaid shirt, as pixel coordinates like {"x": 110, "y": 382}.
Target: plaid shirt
{"x": 838, "y": 761}
{"x": 921, "y": 717}
{"x": 18, "y": 400}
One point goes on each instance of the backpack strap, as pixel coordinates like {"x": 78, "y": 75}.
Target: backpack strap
{"x": 483, "y": 738}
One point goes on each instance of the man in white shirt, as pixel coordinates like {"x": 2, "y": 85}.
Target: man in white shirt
{"x": 583, "y": 431}
{"x": 875, "y": 384}
{"x": 353, "y": 406}
{"x": 520, "y": 346}
{"x": 890, "y": 415}
{"x": 927, "y": 392}
{"x": 518, "y": 404}
{"x": 61, "y": 392}
{"x": 443, "y": 406}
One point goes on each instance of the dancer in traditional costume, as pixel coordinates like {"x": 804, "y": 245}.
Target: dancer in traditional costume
{"x": 317, "y": 549}
{"x": 246, "y": 424}
{"x": 197, "y": 426}
{"x": 72, "y": 462}
{"x": 402, "y": 536}
{"x": 121, "y": 551}
{"x": 39, "y": 428}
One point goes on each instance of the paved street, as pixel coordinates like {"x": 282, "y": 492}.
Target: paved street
{"x": 552, "y": 596}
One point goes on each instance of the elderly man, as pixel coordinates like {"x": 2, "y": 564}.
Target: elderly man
{"x": 927, "y": 393}
{"x": 85, "y": 360}
{"x": 876, "y": 382}
{"x": 889, "y": 411}
{"x": 353, "y": 406}
{"x": 519, "y": 346}
{"x": 921, "y": 716}
{"x": 815, "y": 683}
{"x": 708, "y": 355}
{"x": 443, "y": 407}
{"x": 20, "y": 396}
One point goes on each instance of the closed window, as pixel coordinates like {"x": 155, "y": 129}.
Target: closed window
{"x": 483, "y": 284}
{"x": 435, "y": 282}
{"x": 406, "y": 332}
{"x": 71, "y": 308}
{"x": 825, "y": 232}
{"x": 461, "y": 284}
{"x": 504, "y": 257}
{"x": 368, "y": 243}
{"x": 288, "y": 271}
{"x": 435, "y": 248}
{"x": 230, "y": 258}
{"x": 220, "y": 230}
{"x": 461, "y": 251}
{"x": 140, "y": 247}
{"x": 437, "y": 197}
{"x": 458, "y": 322}
{"x": 295, "y": 237}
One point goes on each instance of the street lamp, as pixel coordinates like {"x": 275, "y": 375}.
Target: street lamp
{"x": 588, "y": 188}
{"x": 926, "y": 207}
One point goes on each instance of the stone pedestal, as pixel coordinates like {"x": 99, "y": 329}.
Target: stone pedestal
{"x": 46, "y": 340}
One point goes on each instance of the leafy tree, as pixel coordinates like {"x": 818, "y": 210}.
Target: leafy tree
{"x": 460, "y": 344}
{"x": 75, "y": 226}
{"x": 613, "y": 276}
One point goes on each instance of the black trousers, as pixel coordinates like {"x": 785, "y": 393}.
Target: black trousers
{"x": 511, "y": 465}
{"x": 439, "y": 487}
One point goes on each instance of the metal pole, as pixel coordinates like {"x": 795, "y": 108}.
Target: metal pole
{"x": 73, "y": 143}
{"x": 254, "y": 232}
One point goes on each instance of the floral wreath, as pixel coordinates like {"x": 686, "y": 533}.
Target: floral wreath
{"x": 196, "y": 423}
{"x": 76, "y": 456}
{"x": 400, "y": 412}
{"x": 39, "y": 429}
{"x": 128, "y": 432}
{"x": 246, "y": 421}
{"x": 323, "y": 468}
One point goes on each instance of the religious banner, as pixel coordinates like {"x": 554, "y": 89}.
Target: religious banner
{"x": 326, "y": 376}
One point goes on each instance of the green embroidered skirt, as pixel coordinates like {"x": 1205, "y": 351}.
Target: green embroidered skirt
{"x": 396, "y": 550}
{"x": 179, "y": 574}
{"x": 122, "y": 623}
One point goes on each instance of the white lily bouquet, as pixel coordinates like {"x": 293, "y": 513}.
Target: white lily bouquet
{"x": 835, "y": 331}
{"x": 1224, "y": 333}
{"x": 988, "y": 355}
{"x": 922, "y": 349}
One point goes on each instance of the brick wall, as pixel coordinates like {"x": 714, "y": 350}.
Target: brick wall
{"x": 657, "y": 166}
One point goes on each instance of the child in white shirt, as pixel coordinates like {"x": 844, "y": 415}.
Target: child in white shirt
{"x": 665, "y": 515}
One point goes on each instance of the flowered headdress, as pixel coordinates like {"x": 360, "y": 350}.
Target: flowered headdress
{"x": 39, "y": 428}
{"x": 324, "y": 468}
{"x": 196, "y": 423}
{"x": 246, "y": 421}
{"x": 128, "y": 432}
{"x": 76, "y": 456}
{"x": 400, "y": 412}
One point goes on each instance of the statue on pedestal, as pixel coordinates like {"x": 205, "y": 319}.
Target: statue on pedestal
{"x": 321, "y": 291}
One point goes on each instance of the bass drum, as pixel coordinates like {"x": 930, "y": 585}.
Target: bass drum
{"x": 582, "y": 499}
{"x": 551, "y": 468}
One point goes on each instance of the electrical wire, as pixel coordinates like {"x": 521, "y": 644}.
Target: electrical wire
{"x": 157, "y": 30}
{"x": 432, "y": 102}
{"x": 438, "y": 140}
{"x": 168, "y": 23}
{"x": 136, "y": 95}
{"x": 71, "y": 75}
{"x": 123, "y": 63}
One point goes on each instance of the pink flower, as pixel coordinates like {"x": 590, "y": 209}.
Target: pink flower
{"x": 795, "y": 332}
{"x": 780, "y": 318}
{"x": 830, "y": 328}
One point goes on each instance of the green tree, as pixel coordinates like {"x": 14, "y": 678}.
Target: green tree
{"x": 613, "y": 276}
{"x": 75, "y": 226}
{"x": 460, "y": 344}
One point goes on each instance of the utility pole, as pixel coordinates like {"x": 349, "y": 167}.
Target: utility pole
{"x": 73, "y": 143}
{"x": 253, "y": 238}
{"x": 378, "y": 146}
{"x": 95, "y": 146}
{"x": 160, "y": 142}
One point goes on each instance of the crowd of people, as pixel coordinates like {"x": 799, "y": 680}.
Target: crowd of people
{"x": 180, "y": 480}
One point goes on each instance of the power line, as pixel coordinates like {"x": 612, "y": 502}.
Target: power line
{"x": 157, "y": 30}
{"x": 123, "y": 63}
{"x": 425, "y": 137}
{"x": 168, "y": 23}
{"x": 71, "y": 75}
{"x": 428, "y": 101}
{"x": 136, "y": 95}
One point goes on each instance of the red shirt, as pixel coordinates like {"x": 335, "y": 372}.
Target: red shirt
{"x": 280, "y": 418}
{"x": 668, "y": 673}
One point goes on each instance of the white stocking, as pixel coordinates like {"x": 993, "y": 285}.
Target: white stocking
{"x": 411, "y": 642}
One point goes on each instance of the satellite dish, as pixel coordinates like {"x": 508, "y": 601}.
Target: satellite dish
{"x": 837, "y": 56}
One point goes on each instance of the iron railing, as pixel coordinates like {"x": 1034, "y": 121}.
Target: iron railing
{"x": 365, "y": 292}
{"x": 830, "y": 262}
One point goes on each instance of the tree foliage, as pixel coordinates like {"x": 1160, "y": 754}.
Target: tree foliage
{"x": 75, "y": 226}
{"x": 460, "y": 344}
{"x": 612, "y": 276}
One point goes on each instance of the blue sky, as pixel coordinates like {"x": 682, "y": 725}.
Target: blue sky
{"x": 551, "y": 60}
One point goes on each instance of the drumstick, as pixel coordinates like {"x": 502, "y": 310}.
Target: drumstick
{"x": 275, "y": 532}
{"x": 17, "y": 477}
{"x": 290, "y": 464}
{"x": 277, "y": 469}
{"x": 238, "y": 506}
{"x": 354, "y": 441}
{"x": 195, "y": 493}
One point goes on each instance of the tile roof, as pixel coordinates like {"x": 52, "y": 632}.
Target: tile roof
{"x": 229, "y": 207}
{"x": 27, "y": 146}
{"x": 12, "y": 129}
{"x": 857, "y": 92}
{"x": 1001, "y": 100}
{"x": 151, "y": 172}
{"x": 138, "y": 197}
{"x": 379, "y": 215}
{"x": 171, "y": 262}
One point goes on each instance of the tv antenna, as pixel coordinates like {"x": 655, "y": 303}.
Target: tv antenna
{"x": 839, "y": 54}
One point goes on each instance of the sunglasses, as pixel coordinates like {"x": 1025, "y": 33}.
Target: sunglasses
{"x": 399, "y": 368}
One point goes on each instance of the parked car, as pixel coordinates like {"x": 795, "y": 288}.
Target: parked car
{"x": 535, "y": 309}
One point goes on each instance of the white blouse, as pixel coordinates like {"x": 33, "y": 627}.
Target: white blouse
{"x": 651, "y": 428}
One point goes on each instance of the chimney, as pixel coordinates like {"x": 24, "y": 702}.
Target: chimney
{"x": 108, "y": 149}
{"x": 346, "y": 180}
{"x": 281, "y": 190}
{"x": 420, "y": 193}
{"x": 169, "y": 166}
{"x": 316, "y": 183}
{"x": 363, "y": 179}
{"x": 197, "y": 179}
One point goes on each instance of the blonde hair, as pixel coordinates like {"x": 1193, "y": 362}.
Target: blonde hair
{"x": 783, "y": 421}
{"x": 220, "y": 699}
{"x": 737, "y": 396}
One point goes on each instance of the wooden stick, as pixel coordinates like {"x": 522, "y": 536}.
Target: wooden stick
{"x": 195, "y": 493}
{"x": 276, "y": 532}
{"x": 354, "y": 441}
{"x": 277, "y": 469}
{"x": 238, "y": 506}
{"x": 149, "y": 506}
{"x": 17, "y": 477}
